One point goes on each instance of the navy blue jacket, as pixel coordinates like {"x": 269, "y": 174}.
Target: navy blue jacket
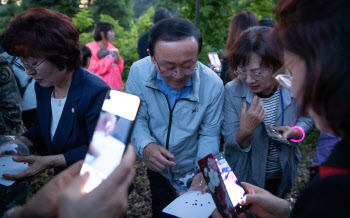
{"x": 78, "y": 120}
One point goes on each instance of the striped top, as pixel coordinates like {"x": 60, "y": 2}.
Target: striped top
{"x": 273, "y": 166}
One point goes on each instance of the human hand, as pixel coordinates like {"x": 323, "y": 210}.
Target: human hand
{"x": 116, "y": 55}
{"x": 109, "y": 199}
{"x": 156, "y": 157}
{"x": 288, "y": 132}
{"x": 48, "y": 195}
{"x": 36, "y": 165}
{"x": 263, "y": 203}
{"x": 250, "y": 119}
{"x": 199, "y": 184}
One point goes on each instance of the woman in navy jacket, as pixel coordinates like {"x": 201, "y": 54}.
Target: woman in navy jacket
{"x": 69, "y": 98}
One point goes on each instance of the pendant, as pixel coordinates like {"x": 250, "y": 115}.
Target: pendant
{"x": 59, "y": 102}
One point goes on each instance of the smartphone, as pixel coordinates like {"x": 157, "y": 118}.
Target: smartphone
{"x": 215, "y": 61}
{"x": 229, "y": 191}
{"x": 276, "y": 136}
{"x": 111, "y": 135}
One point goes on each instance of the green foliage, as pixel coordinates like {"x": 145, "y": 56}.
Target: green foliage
{"x": 83, "y": 20}
{"x": 139, "y": 180}
{"x": 7, "y": 12}
{"x": 127, "y": 40}
{"x": 68, "y": 7}
{"x": 215, "y": 17}
{"x": 120, "y": 10}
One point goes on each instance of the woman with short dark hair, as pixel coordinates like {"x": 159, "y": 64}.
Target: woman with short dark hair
{"x": 69, "y": 98}
{"x": 253, "y": 103}
{"x": 110, "y": 68}
{"x": 240, "y": 22}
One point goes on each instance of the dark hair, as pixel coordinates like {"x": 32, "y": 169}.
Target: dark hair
{"x": 256, "y": 40}
{"x": 319, "y": 33}
{"x": 173, "y": 29}
{"x": 86, "y": 54}
{"x": 102, "y": 27}
{"x": 267, "y": 21}
{"x": 40, "y": 32}
{"x": 160, "y": 14}
{"x": 240, "y": 22}
{"x": 103, "y": 52}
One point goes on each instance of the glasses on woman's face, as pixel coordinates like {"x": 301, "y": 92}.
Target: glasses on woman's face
{"x": 283, "y": 76}
{"x": 31, "y": 69}
{"x": 172, "y": 73}
{"x": 256, "y": 75}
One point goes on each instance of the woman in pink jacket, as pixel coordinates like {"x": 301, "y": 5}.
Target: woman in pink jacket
{"x": 110, "y": 67}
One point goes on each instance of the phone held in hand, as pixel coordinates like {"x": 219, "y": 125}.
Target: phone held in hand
{"x": 111, "y": 135}
{"x": 223, "y": 184}
{"x": 276, "y": 136}
{"x": 215, "y": 61}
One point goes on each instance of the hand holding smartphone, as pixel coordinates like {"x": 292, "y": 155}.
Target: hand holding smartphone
{"x": 223, "y": 184}
{"x": 110, "y": 137}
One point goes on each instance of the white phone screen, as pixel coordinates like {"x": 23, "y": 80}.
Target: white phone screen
{"x": 111, "y": 135}
{"x": 233, "y": 186}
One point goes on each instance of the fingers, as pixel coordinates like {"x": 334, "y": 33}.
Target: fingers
{"x": 254, "y": 103}
{"x": 244, "y": 108}
{"x": 75, "y": 188}
{"x": 28, "y": 159}
{"x": 18, "y": 176}
{"x": 167, "y": 153}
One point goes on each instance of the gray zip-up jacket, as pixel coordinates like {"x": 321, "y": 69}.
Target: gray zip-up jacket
{"x": 191, "y": 130}
{"x": 251, "y": 166}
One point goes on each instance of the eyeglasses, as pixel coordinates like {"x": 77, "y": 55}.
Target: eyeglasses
{"x": 283, "y": 77}
{"x": 242, "y": 75}
{"x": 172, "y": 73}
{"x": 32, "y": 69}
{"x": 18, "y": 65}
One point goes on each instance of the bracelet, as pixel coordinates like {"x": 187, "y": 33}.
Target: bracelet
{"x": 301, "y": 138}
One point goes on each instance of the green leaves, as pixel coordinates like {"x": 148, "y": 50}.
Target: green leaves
{"x": 83, "y": 20}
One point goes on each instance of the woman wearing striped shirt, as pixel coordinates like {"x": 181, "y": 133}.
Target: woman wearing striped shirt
{"x": 253, "y": 102}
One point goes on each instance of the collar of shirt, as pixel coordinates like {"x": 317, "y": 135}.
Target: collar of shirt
{"x": 171, "y": 94}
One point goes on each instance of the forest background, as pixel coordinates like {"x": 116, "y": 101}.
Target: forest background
{"x": 133, "y": 18}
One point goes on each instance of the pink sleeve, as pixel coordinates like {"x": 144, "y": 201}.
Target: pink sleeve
{"x": 120, "y": 65}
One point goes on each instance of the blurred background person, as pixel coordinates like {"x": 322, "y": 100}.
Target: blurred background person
{"x": 110, "y": 69}
{"x": 25, "y": 84}
{"x": 85, "y": 63}
{"x": 253, "y": 102}
{"x": 142, "y": 44}
{"x": 69, "y": 98}
{"x": 240, "y": 22}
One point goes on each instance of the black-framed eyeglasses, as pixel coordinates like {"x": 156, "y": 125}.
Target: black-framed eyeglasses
{"x": 172, "y": 73}
{"x": 32, "y": 69}
{"x": 15, "y": 63}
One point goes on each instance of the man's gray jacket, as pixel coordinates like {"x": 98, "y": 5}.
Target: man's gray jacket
{"x": 191, "y": 130}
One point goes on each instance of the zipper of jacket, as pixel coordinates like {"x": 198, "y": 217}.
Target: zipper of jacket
{"x": 170, "y": 117}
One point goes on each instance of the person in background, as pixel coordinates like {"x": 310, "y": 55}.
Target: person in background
{"x": 110, "y": 69}
{"x": 10, "y": 100}
{"x": 253, "y": 102}
{"x": 142, "y": 44}
{"x": 69, "y": 98}
{"x": 181, "y": 107}
{"x": 240, "y": 22}
{"x": 85, "y": 63}
{"x": 267, "y": 21}
{"x": 26, "y": 89}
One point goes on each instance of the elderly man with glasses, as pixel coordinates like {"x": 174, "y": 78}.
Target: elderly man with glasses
{"x": 181, "y": 112}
